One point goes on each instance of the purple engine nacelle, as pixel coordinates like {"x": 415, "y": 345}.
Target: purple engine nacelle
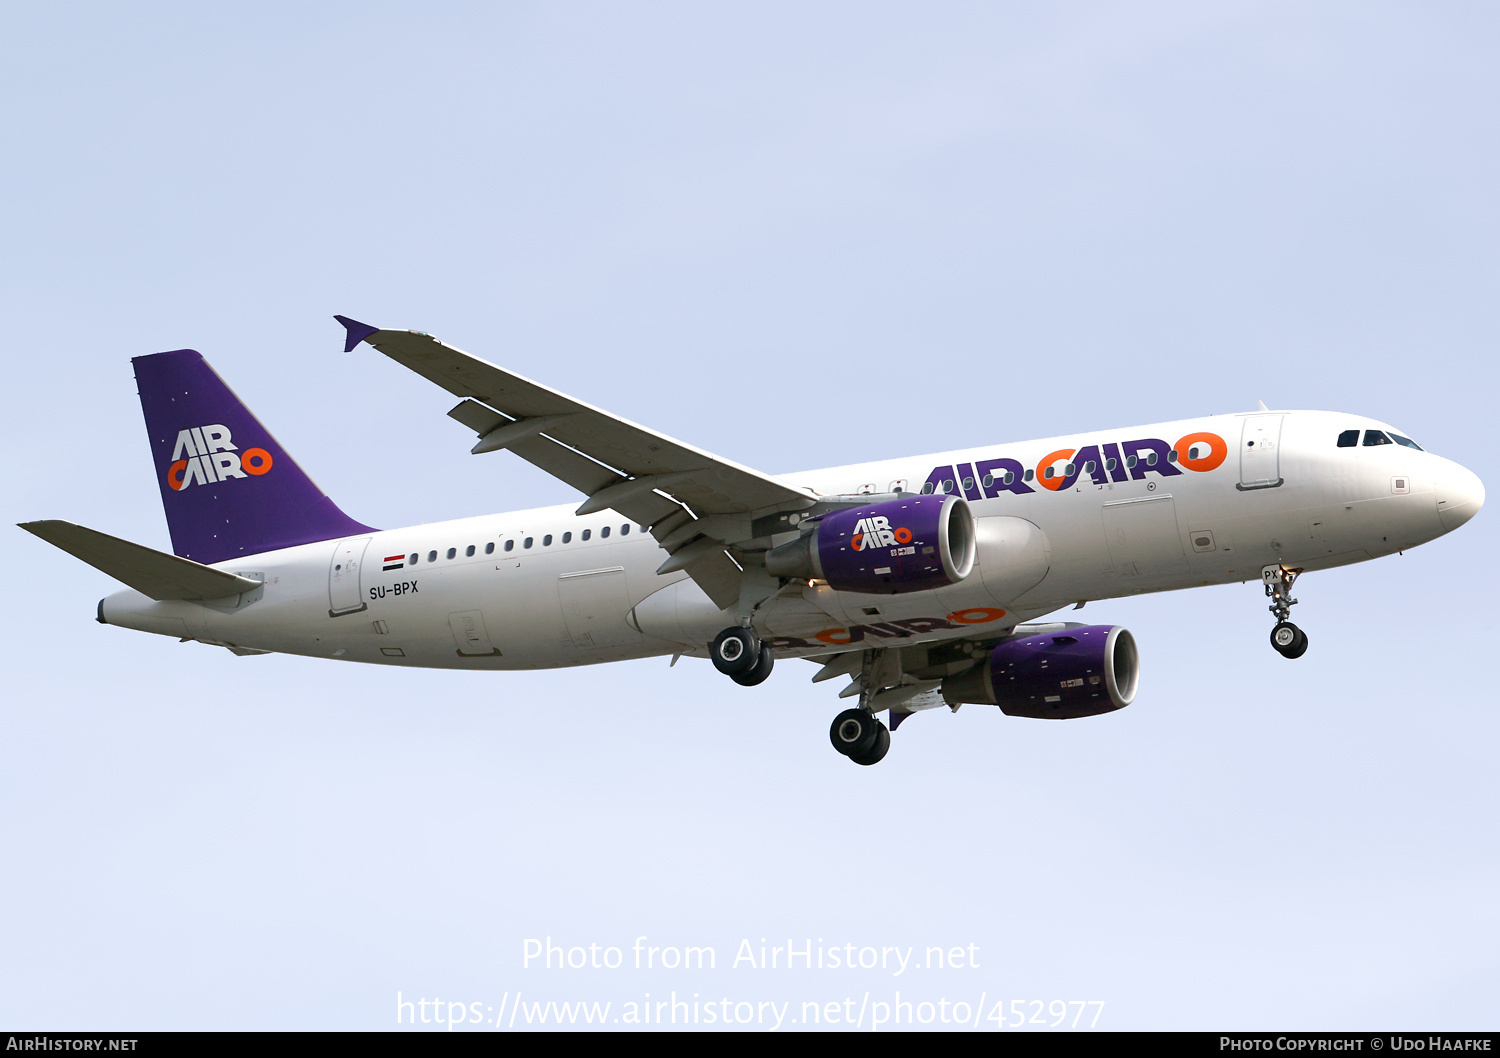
{"x": 1062, "y": 675}
{"x": 909, "y": 544}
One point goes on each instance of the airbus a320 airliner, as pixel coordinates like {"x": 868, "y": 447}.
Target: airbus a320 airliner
{"x": 920, "y": 580}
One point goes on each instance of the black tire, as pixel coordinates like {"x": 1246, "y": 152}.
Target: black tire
{"x": 853, "y": 732}
{"x": 759, "y": 672}
{"x": 876, "y": 753}
{"x": 735, "y": 651}
{"x": 1297, "y": 649}
{"x": 1285, "y": 637}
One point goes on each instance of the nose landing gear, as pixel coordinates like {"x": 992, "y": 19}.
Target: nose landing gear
{"x": 1288, "y": 640}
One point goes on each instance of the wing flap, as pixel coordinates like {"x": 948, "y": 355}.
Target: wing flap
{"x": 152, "y": 573}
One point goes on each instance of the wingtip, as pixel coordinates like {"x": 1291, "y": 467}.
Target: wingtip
{"x": 355, "y": 332}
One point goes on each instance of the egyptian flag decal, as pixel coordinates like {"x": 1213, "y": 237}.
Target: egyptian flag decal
{"x": 394, "y": 562}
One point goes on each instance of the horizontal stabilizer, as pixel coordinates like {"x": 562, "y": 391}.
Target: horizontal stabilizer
{"x": 152, "y": 573}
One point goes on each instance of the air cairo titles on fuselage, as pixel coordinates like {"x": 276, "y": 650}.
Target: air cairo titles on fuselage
{"x": 1101, "y": 463}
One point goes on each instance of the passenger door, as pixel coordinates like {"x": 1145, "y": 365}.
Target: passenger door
{"x": 343, "y": 577}
{"x": 1260, "y": 452}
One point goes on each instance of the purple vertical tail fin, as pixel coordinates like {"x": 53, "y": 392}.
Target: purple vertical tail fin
{"x": 228, "y": 487}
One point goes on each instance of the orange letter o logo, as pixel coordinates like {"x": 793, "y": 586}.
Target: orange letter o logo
{"x": 903, "y": 535}
{"x": 1218, "y": 450}
{"x": 831, "y": 635}
{"x": 174, "y": 474}
{"x": 256, "y": 461}
{"x": 1055, "y": 482}
{"x": 976, "y": 615}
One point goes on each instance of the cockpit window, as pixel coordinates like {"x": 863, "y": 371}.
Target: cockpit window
{"x": 1375, "y": 437}
{"x": 1349, "y": 438}
{"x": 1405, "y": 441}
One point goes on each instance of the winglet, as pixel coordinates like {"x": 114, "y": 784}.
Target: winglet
{"x": 358, "y": 332}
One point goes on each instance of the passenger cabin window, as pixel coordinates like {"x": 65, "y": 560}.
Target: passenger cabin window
{"x": 452, "y": 551}
{"x": 547, "y": 540}
{"x": 469, "y": 551}
{"x": 526, "y": 542}
{"x": 509, "y": 544}
{"x": 567, "y": 538}
{"x": 927, "y": 489}
{"x": 624, "y": 530}
{"x": 432, "y": 556}
{"x": 489, "y": 548}
{"x": 587, "y": 533}
{"x": 413, "y": 561}
{"x": 1349, "y": 438}
{"x": 1029, "y": 475}
{"x": 604, "y": 532}
{"x": 1375, "y": 437}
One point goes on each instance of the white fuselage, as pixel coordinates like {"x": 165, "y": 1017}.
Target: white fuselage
{"x": 525, "y": 590}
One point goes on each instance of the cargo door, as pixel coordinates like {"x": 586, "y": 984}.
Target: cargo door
{"x": 343, "y": 577}
{"x": 1260, "y": 452}
{"x": 594, "y": 604}
{"x": 1142, "y": 537}
{"x": 469, "y": 633}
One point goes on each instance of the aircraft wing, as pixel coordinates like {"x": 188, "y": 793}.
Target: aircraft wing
{"x": 693, "y": 501}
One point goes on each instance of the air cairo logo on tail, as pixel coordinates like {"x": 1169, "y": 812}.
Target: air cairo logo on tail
{"x": 876, "y": 531}
{"x": 206, "y": 454}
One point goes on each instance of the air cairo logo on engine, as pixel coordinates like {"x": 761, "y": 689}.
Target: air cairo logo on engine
{"x": 205, "y": 454}
{"x": 876, "y": 531}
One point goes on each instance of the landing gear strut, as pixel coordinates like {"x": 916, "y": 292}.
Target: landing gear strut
{"x": 739, "y": 654}
{"x": 1288, "y": 640}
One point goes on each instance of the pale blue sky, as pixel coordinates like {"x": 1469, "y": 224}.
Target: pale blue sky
{"x": 795, "y": 235}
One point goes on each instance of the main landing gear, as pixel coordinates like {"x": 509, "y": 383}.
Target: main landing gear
{"x": 739, "y": 654}
{"x": 1288, "y": 640}
{"x": 860, "y": 737}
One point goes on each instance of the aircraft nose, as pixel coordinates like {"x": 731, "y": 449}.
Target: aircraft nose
{"x": 1460, "y": 494}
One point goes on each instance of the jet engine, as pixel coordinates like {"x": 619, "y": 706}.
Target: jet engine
{"x": 913, "y": 543}
{"x": 1079, "y": 671}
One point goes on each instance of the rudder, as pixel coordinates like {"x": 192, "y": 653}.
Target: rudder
{"x": 227, "y": 486}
